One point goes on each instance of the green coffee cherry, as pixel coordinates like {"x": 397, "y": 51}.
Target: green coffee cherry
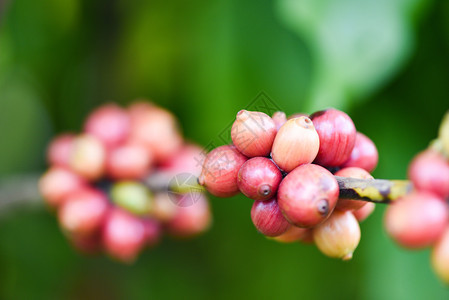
{"x": 132, "y": 196}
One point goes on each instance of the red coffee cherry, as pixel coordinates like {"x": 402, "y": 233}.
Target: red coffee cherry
{"x": 296, "y": 143}
{"x": 57, "y": 183}
{"x": 417, "y": 220}
{"x": 337, "y": 137}
{"x": 186, "y": 160}
{"x": 362, "y": 213}
{"x": 338, "y": 236}
{"x": 353, "y": 172}
{"x": 259, "y": 178}
{"x": 129, "y": 161}
{"x": 220, "y": 169}
{"x": 60, "y": 150}
{"x": 440, "y": 257}
{"x": 308, "y": 195}
{"x": 83, "y": 212}
{"x": 253, "y": 133}
{"x": 191, "y": 220}
{"x": 88, "y": 157}
{"x": 109, "y": 123}
{"x": 429, "y": 171}
{"x": 268, "y": 218}
{"x": 295, "y": 234}
{"x": 279, "y": 118}
{"x": 124, "y": 235}
{"x": 364, "y": 154}
{"x": 156, "y": 129}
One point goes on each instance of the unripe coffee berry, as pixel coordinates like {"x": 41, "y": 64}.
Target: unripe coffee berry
{"x": 308, "y": 195}
{"x": 253, "y": 133}
{"x": 88, "y": 157}
{"x": 416, "y": 220}
{"x": 338, "y": 236}
{"x": 132, "y": 196}
{"x": 268, "y": 218}
{"x": 296, "y": 143}
{"x": 429, "y": 171}
{"x": 220, "y": 169}
{"x": 337, "y": 137}
{"x": 353, "y": 172}
{"x": 440, "y": 257}
{"x": 364, "y": 154}
{"x": 259, "y": 178}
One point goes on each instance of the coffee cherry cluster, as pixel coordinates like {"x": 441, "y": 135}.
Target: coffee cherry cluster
{"x": 285, "y": 166}
{"x": 98, "y": 181}
{"x": 421, "y": 219}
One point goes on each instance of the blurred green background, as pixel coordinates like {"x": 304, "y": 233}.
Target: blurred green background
{"x": 384, "y": 62}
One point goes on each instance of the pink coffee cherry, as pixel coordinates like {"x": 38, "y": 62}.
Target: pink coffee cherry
{"x": 417, "y": 220}
{"x": 156, "y": 129}
{"x": 296, "y": 143}
{"x": 337, "y": 137}
{"x": 124, "y": 235}
{"x": 253, "y": 133}
{"x": 364, "y": 154}
{"x": 193, "y": 219}
{"x": 268, "y": 218}
{"x": 57, "y": 183}
{"x": 429, "y": 171}
{"x": 60, "y": 150}
{"x": 308, "y": 195}
{"x": 295, "y": 234}
{"x": 279, "y": 119}
{"x": 364, "y": 212}
{"x": 220, "y": 169}
{"x": 129, "y": 161}
{"x": 259, "y": 178}
{"x": 186, "y": 160}
{"x": 109, "y": 123}
{"x": 353, "y": 172}
{"x": 83, "y": 212}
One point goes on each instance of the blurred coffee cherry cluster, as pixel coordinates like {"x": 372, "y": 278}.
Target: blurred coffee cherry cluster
{"x": 110, "y": 185}
{"x": 421, "y": 219}
{"x": 286, "y": 166}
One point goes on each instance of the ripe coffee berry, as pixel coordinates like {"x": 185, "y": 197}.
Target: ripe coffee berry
{"x": 253, "y": 133}
{"x": 110, "y": 124}
{"x": 347, "y": 204}
{"x": 429, "y": 171}
{"x": 259, "y": 178}
{"x": 296, "y": 143}
{"x": 338, "y": 236}
{"x": 83, "y": 212}
{"x": 417, "y": 220}
{"x": 123, "y": 235}
{"x": 279, "y": 119}
{"x": 364, "y": 154}
{"x": 308, "y": 195}
{"x": 130, "y": 161}
{"x": 268, "y": 218}
{"x": 337, "y": 137}
{"x": 60, "y": 150}
{"x": 88, "y": 157}
{"x": 220, "y": 169}
{"x": 295, "y": 234}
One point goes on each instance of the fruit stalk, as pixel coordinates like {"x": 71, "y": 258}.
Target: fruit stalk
{"x": 373, "y": 190}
